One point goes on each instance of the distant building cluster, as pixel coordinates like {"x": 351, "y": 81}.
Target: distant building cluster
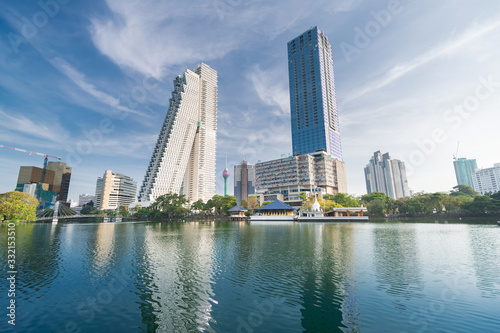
{"x": 388, "y": 176}
{"x": 48, "y": 186}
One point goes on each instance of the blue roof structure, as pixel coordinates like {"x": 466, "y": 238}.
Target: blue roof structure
{"x": 277, "y": 205}
{"x": 237, "y": 209}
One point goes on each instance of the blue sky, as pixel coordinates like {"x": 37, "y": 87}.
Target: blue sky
{"x": 90, "y": 81}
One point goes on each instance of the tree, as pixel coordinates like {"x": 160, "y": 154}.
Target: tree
{"x": 253, "y": 202}
{"x": 198, "y": 205}
{"x": 244, "y": 204}
{"x": 464, "y": 190}
{"x": 170, "y": 205}
{"x": 18, "y": 206}
{"x": 86, "y": 210}
{"x": 377, "y": 208}
{"x": 374, "y": 196}
{"x": 228, "y": 202}
{"x": 265, "y": 203}
{"x": 345, "y": 200}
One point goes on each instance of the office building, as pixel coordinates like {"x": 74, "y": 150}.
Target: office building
{"x": 464, "y": 170}
{"x": 286, "y": 178}
{"x": 487, "y": 180}
{"x": 244, "y": 181}
{"x": 313, "y": 103}
{"x": 114, "y": 190}
{"x": 385, "y": 175}
{"x": 30, "y": 175}
{"x": 62, "y": 178}
{"x": 183, "y": 160}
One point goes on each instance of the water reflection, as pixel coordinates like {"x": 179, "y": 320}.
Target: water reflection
{"x": 397, "y": 263}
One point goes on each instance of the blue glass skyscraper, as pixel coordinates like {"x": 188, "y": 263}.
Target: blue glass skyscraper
{"x": 313, "y": 104}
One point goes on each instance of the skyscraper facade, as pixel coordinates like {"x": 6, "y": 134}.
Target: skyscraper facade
{"x": 464, "y": 170}
{"x": 313, "y": 103}
{"x": 183, "y": 159}
{"x": 385, "y": 175}
{"x": 244, "y": 181}
{"x": 114, "y": 190}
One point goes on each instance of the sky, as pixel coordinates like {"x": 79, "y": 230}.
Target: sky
{"x": 90, "y": 81}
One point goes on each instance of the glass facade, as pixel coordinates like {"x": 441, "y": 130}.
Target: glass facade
{"x": 464, "y": 170}
{"x": 313, "y": 104}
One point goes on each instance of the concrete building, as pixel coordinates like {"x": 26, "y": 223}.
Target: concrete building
{"x": 114, "y": 190}
{"x": 313, "y": 103}
{"x": 244, "y": 181}
{"x": 62, "y": 178}
{"x": 385, "y": 175}
{"x": 487, "y": 180}
{"x": 464, "y": 170}
{"x": 286, "y": 178}
{"x": 183, "y": 159}
{"x": 84, "y": 199}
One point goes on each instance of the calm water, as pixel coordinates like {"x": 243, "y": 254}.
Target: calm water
{"x": 242, "y": 277}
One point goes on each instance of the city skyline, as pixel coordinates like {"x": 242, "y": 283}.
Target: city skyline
{"x": 98, "y": 100}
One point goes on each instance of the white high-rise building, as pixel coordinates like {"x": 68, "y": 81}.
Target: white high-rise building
{"x": 183, "y": 160}
{"x": 487, "y": 180}
{"x": 387, "y": 176}
{"x": 114, "y": 190}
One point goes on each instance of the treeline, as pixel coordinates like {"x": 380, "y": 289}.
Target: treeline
{"x": 172, "y": 205}
{"x": 461, "y": 201}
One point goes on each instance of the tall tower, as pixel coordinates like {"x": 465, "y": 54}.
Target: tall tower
{"x": 244, "y": 180}
{"x": 225, "y": 175}
{"x": 184, "y": 156}
{"x": 385, "y": 175}
{"x": 313, "y": 104}
{"x": 464, "y": 170}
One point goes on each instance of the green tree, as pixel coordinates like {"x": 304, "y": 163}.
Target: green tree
{"x": 464, "y": 190}
{"x": 18, "y": 206}
{"x": 198, "y": 205}
{"x": 244, "y": 204}
{"x": 344, "y": 199}
{"x": 170, "y": 205}
{"x": 86, "y": 210}
{"x": 265, "y": 203}
{"x": 228, "y": 202}
{"x": 253, "y": 202}
{"x": 374, "y": 196}
{"x": 377, "y": 208}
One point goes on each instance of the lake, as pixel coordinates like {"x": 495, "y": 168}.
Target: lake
{"x": 254, "y": 277}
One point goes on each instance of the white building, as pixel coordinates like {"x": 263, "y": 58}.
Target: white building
{"x": 487, "y": 180}
{"x": 387, "y": 176}
{"x": 286, "y": 178}
{"x": 114, "y": 190}
{"x": 183, "y": 160}
{"x": 84, "y": 199}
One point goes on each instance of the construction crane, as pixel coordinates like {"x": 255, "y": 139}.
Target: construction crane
{"x": 44, "y": 162}
{"x": 455, "y": 157}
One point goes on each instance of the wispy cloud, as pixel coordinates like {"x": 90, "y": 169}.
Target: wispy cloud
{"x": 271, "y": 87}
{"x": 80, "y": 80}
{"x": 445, "y": 48}
{"x": 151, "y": 39}
{"x": 37, "y": 128}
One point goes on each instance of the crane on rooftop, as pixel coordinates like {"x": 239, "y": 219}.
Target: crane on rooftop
{"x": 35, "y": 153}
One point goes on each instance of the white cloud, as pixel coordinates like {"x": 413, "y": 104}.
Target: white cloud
{"x": 33, "y": 127}
{"x": 271, "y": 87}
{"x": 80, "y": 80}
{"x": 449, "y": 47}
{"x": 151, "y": 38}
